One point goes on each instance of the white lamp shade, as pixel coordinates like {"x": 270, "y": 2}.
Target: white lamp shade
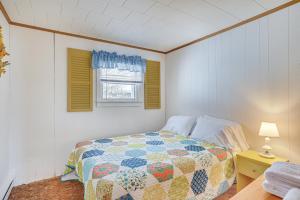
{"x": 268, "y": 130}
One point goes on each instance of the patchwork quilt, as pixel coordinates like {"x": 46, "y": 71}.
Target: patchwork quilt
{"x": 152, "y": 166}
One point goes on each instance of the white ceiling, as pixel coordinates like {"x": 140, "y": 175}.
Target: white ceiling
{"x": 156, "y": 24}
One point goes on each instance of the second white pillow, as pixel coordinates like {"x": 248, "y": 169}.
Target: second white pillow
{"x": 180, "y": 124}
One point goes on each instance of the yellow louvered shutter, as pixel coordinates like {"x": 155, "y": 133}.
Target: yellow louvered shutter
{"x": 80, "y": 81}
{"x": 152, "y": 85}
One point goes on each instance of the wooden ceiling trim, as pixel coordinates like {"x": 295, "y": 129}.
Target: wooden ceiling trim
{"x": 84, "y": 37}
{"x": 5, "y": 13}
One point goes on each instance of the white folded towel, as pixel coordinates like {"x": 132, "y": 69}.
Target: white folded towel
{"x": 279, "y": 184}
{"x": 293, "y": 194}
{"x": 274, "y": 189}
{"x": 284, "y": 172}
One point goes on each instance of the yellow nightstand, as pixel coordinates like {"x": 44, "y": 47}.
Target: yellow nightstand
{"x": 251, "y": 165}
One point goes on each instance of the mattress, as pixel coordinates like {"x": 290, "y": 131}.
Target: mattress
{"x": 152, "y": 165}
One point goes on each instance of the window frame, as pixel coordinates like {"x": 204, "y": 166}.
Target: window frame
{"x": 100, "y": 101}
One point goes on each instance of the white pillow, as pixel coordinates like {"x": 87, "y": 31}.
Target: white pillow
{"x": 206, "y": 128}
{"x": 221, "y": 132}
{"x": 233, "y": 132}
{"x": 180, "y": 124}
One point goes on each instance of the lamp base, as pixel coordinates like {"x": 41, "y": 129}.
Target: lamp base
{"x": 267, "y": 150}
{"x": 267, "y": 155}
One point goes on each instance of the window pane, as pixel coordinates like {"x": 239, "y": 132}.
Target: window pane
{"x": 121, "y": 75}
{"x": 118, "y": 91}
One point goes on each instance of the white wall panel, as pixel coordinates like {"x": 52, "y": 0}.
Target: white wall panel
{"x": 6, "y": 167}
{"x": 237, "y": 73}
{"x": 33, "y": 103}
{"x": 251, "y": 88}
{"x": 212, "y": 79}
{"x": 247, "y": 79}
{"x": 278, "y": 77}
{"x": 294, "y": 79}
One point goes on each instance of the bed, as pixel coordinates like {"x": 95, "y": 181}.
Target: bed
{"x": 152, "y": 165}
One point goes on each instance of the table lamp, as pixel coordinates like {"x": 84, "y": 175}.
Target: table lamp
{"x": 268, "y": 130}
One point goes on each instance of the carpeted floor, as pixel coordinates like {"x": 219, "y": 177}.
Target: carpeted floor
{"x": 54, "y": 189}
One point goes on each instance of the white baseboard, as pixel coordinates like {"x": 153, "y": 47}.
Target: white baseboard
{"x": 6, "y": 186}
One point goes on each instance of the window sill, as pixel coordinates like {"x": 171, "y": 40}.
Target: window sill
{"x": 119, "y": 104}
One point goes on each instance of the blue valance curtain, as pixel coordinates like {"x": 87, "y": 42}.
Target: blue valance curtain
{"x": 107, "y": 60}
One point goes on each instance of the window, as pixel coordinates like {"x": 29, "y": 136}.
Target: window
{"x": 119, "y": 86}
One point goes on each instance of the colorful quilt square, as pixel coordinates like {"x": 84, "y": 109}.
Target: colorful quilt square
{"x": 199, "y": 181}
{"x": 136, "y": 146}
{"x": 105, "y": 169}
{"x": 104, "y": 189}
{"x": 135, "y": 153}
{"x": 185, "y": 164}
{"x": 131, "y": 179}
{"x": 155, "y": 192}
{"x": 203, "y": 158}
{"x": 152, "y": 134}
{"x": 188, "y": 142}
{"x": 84, "y": 143}
{"x": 215, "y": 175}
{"x": 155, "y": 148}
{"x": 220, "y": 153}
{"x": 104, "y": 140}
{"x": 119, "y": 143}
{"x": 92, "y": 153}
{"x": 229, "y": 168}
{"x": 155, "y": 142}
{"x": 178, "y": 152}
{"x": 115, "y": 149}
{"x": 134, "y": 162}
{"x": 194, "y": 148}
{"x": 223, "y": 187}
{"x": 157, "y": 157}
{"x": 179, "y": 188}
{"x": 126, "y": 197}
{"x": 161, "y": 171}
{"x": 87, "y": 167}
